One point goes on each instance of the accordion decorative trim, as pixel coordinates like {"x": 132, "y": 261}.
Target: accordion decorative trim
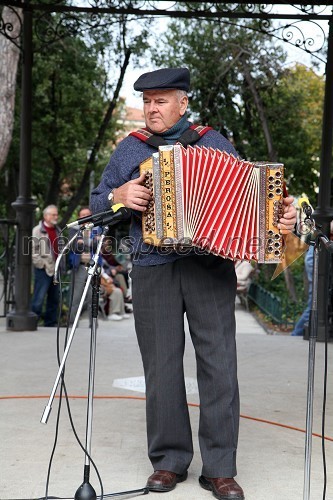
{"x": 207, "y": 198}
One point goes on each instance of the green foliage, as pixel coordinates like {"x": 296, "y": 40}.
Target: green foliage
{"x": 294, "y": 110}
{"x": 69, "y": 99}
{"x": 75, "y": 80}
{"x": 278, "y": 286}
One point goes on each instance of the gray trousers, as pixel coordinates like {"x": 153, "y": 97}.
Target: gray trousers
{"x": 203, "y": 287}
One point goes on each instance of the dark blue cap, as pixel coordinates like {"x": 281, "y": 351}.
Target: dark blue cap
{"x": 166, "y": 78}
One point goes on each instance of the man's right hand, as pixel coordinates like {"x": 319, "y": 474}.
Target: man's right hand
{"x": 133, "y": 195}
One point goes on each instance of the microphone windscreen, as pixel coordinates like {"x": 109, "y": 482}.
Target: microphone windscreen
{"x": 122, "y": 211}
{"x": 117, "y": 206}
{"x": 303, "y": 199}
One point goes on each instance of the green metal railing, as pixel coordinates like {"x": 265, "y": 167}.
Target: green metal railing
{"x": 270, "y": 304}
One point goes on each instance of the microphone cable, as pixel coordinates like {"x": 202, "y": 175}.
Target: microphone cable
{"x": 323, "y": 422}
{"x": 324, "y": 416}
{"x": 46, "y": 497}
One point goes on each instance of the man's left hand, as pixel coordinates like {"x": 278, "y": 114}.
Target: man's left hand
{"x": 288, "y": 219}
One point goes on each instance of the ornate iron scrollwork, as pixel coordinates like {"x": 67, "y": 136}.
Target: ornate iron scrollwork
{"x": 307, "y": 35}
{"x": 293, "y": 33}
{"x": 54, "y": 20}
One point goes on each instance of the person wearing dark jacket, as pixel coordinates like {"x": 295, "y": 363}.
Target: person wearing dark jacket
{"x": 167, "y": 285}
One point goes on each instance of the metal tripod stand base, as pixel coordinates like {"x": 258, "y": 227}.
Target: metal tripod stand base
{"x": 85, "y": 492}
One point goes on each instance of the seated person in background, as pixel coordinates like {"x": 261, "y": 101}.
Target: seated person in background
{"x": 115, "y": 269}
{"x": 244, "y": 271}
{"x": 116, "y": 272}
{"x": 114, "y": 298}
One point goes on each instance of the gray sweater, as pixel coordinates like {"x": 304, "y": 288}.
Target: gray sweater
{"x": 124, "y": 166}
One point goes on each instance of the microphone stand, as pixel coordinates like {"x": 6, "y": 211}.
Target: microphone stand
{"x": 319, "y": 239}
{"x": 85, "y": 491}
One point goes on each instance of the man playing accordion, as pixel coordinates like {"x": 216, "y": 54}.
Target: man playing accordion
{"x": 168, "y": 283}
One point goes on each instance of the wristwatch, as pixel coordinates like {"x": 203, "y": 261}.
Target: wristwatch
{"x": 111, "y": 197}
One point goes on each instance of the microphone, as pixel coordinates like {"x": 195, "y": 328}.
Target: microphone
{"x": 304, "y": 204}
{"x": 116, "y": 214}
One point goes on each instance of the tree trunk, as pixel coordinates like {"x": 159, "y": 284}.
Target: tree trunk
{"x": 272, "y": 156}
{"x": 81, "y": 191}
{"x": 10, "y": 53}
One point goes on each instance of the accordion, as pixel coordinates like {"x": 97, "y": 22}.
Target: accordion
{"x": 209, "y": 199}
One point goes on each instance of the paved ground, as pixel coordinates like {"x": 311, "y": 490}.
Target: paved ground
{"x": 273, "y": 373}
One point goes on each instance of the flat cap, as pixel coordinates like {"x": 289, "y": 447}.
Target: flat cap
{"x": 166, "y": 78}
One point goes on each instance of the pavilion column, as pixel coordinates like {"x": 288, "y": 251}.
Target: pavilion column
{"x": 22, "y": 318}
{"x": 324, "y": 212}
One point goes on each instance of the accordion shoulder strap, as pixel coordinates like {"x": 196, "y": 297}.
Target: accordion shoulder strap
{"x": 190, "y": 136}
{"x": 193, "y": 134}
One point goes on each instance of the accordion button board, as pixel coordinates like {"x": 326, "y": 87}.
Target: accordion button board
{"x": 209, "y": 199}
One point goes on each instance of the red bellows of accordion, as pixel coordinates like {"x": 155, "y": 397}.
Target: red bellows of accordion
{"x": 211, "y": 200}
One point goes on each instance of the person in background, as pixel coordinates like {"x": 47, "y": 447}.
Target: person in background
{"x": 165, "y": 285}
{"x": 114, "y": 298}
{"x": 45, "y": 250}
{"x": 304, "y": 319}
{"x": 82, "y": 250}
{"x": 244, "y": 271}
{"x": 116, "y": 271}
{"x": 117, "y": 263}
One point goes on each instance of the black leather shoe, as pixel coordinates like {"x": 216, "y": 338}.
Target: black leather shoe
{"x": 164, "y": 480}
{"x": 223, "y": 488}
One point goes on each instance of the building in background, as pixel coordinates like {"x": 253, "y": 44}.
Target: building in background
{"x": 129, "y": 119}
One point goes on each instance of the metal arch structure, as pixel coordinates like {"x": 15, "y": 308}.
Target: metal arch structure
{"x": 89, "y": 14}
{"x": 71, "y": 16}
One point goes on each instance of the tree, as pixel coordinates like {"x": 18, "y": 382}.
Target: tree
{"x": 297, "y": 101}
{"x": 8, "y": 69}
{"x": 74, "y": 120}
